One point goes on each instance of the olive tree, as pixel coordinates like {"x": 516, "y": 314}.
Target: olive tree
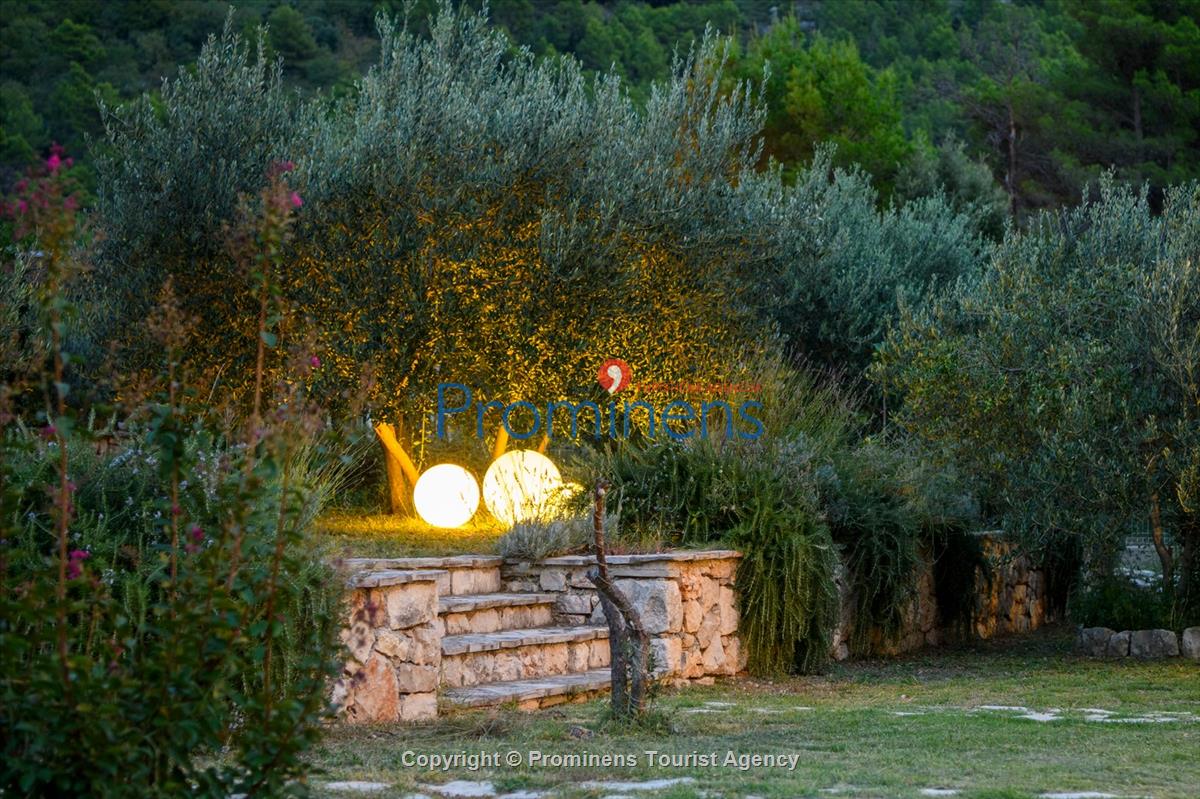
{"x": 1065, "y": 378}
{"x": 471, "y": 214}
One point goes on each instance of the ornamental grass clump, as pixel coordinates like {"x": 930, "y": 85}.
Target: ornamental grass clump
{"x": 167, "y": 626}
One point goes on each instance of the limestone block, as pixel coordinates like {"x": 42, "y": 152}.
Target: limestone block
{"x": 553, "y": 580}
{"x": 734, "y": 661}
{"x": 689, "y": 585}
{"x": 710, "y": 594}
{"x": 665, "y": 655}
{"x": 714, "y": 657}
{"x": 1093, "y": 641}
{"x": 376, "y": 694}
{"x": 576, "y": 604}
{"x": 729, "y": 612}
{"x": 600, "y": 654}
{"x": 426, "y": 644}
{"x": 413, "y": 679}
{"x": 1154, "y": 644}
{"x": 419, "y": 707}
{"x": 359, "y": 638}
{"x": 709, "y": 628}
{"x": 407, "y": 605}
{"x": 1191, "y": 643}
{"x": 1118, "y": 645}
{"x": 398, "y": 647}
{"x": 658, "y": 602}
{"x": 693, "y": 615}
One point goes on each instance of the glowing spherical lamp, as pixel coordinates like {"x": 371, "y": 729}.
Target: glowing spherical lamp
{"x": 446, "y": 495}
{"x": 521, "y": 485}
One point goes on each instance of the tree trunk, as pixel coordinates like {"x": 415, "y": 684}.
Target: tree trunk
{"x": 501, "y": 443}
{"x": 1165, "y": 555}
{"x": 628, "y": 640}
{"x": 401, "y": 471}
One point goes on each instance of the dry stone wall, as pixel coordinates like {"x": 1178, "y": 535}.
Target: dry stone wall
{"x": 686, "y": 600}
{"x": 1010, "y": 598}
{"x": 395, "y": 646}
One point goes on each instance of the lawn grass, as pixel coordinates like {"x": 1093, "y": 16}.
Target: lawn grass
{"x": 871, "y": 729}
{"x": 381, "y": 535}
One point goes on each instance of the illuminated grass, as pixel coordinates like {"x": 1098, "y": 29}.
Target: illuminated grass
{"x": 388, "y": 536}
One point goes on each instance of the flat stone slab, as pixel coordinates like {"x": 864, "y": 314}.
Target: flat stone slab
{"x": 497, "y": 693}
{"x": 451, "y": 562}
{"x": 357, "y": 786}
{"x": 648, "y": 785}
{"x": 462, "y": 789}
{"x": 511, "y": 639}
{"x": 633, "y": 560}
{"x": 382, "y": 578}
{"x": 465, "y": 603}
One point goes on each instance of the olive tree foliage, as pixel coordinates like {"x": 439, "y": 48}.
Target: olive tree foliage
{"x": 845, "y": 265}
{"x": 471, "y": 214}
{"x": 1065, "y": 379}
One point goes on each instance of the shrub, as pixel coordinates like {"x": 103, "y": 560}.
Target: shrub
{"x": 1062, "y": 381}
{"x": 759, "y": 497}
{"x": 1120, "y": 604}
{"x": 844, "y": 266}
{"x": 165, "y": 623}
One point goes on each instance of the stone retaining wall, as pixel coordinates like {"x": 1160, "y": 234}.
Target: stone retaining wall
{"x": 1010, "y": 597}
{"x": 686, "y": 600}
{"x": 1101, "y": 642}
{"x": 395, "y": 646}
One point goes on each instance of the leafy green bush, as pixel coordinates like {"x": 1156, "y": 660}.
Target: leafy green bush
{"x": 845, "y": 267}
{"x": 1120, "y": 604}
{"x": 167, "y": 625}
{"x": 1062, "y": 382}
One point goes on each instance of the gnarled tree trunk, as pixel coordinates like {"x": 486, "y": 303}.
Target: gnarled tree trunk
{"x": 627, "y": 637}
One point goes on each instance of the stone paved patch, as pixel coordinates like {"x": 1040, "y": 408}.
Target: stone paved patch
{"x": 357, "y": 786}
{"x": 462, "y": 789}
{"x": 648, "y": 785}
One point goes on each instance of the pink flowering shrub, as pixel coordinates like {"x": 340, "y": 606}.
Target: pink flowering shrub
{"x": 168, "y": 625}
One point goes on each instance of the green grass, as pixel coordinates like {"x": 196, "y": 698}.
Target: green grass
{"x": 851, "y": 742}
{"x": 386, "y": 536}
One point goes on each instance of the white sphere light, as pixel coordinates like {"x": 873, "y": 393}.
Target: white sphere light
{"x": 446, "y": 495}
{"x": 521, "y": 485}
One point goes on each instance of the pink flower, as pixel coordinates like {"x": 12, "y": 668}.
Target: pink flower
{"x": 314, "y": 362}
{"x": 53, "y": 162}
{"x": 296, "y": 201}
{"x": 22, "y": 206}
{"x": 75, "y": 563}
{"x": 49, "y": 431}
{"x": 197, "y": 533}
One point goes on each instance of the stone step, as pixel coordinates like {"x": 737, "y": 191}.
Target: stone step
{"x": 535, "y": 693}
{"x": 477, "y": 658}
{"x": 488, "y": 613}
{"x": 461, "y": 574}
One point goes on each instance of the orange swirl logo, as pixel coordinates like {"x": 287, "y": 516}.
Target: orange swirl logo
{"x": 614, "y": 375}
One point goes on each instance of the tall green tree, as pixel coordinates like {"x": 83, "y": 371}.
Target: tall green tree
{"x": 819, "y": 90}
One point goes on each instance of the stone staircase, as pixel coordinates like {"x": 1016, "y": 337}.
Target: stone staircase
{"x": 502, "y": 646}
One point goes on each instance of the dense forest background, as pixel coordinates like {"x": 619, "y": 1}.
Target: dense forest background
{"x": 1009, "y": 106}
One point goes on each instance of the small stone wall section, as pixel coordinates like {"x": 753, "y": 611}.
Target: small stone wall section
{"x": 1101, "y": 642}
{"x": 686, "y": 600}
{"x": 395, "y": 646}
{"x": 1010, "y": 598}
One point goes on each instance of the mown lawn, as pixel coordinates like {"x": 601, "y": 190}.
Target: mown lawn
{"x": 872, "y": 729}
